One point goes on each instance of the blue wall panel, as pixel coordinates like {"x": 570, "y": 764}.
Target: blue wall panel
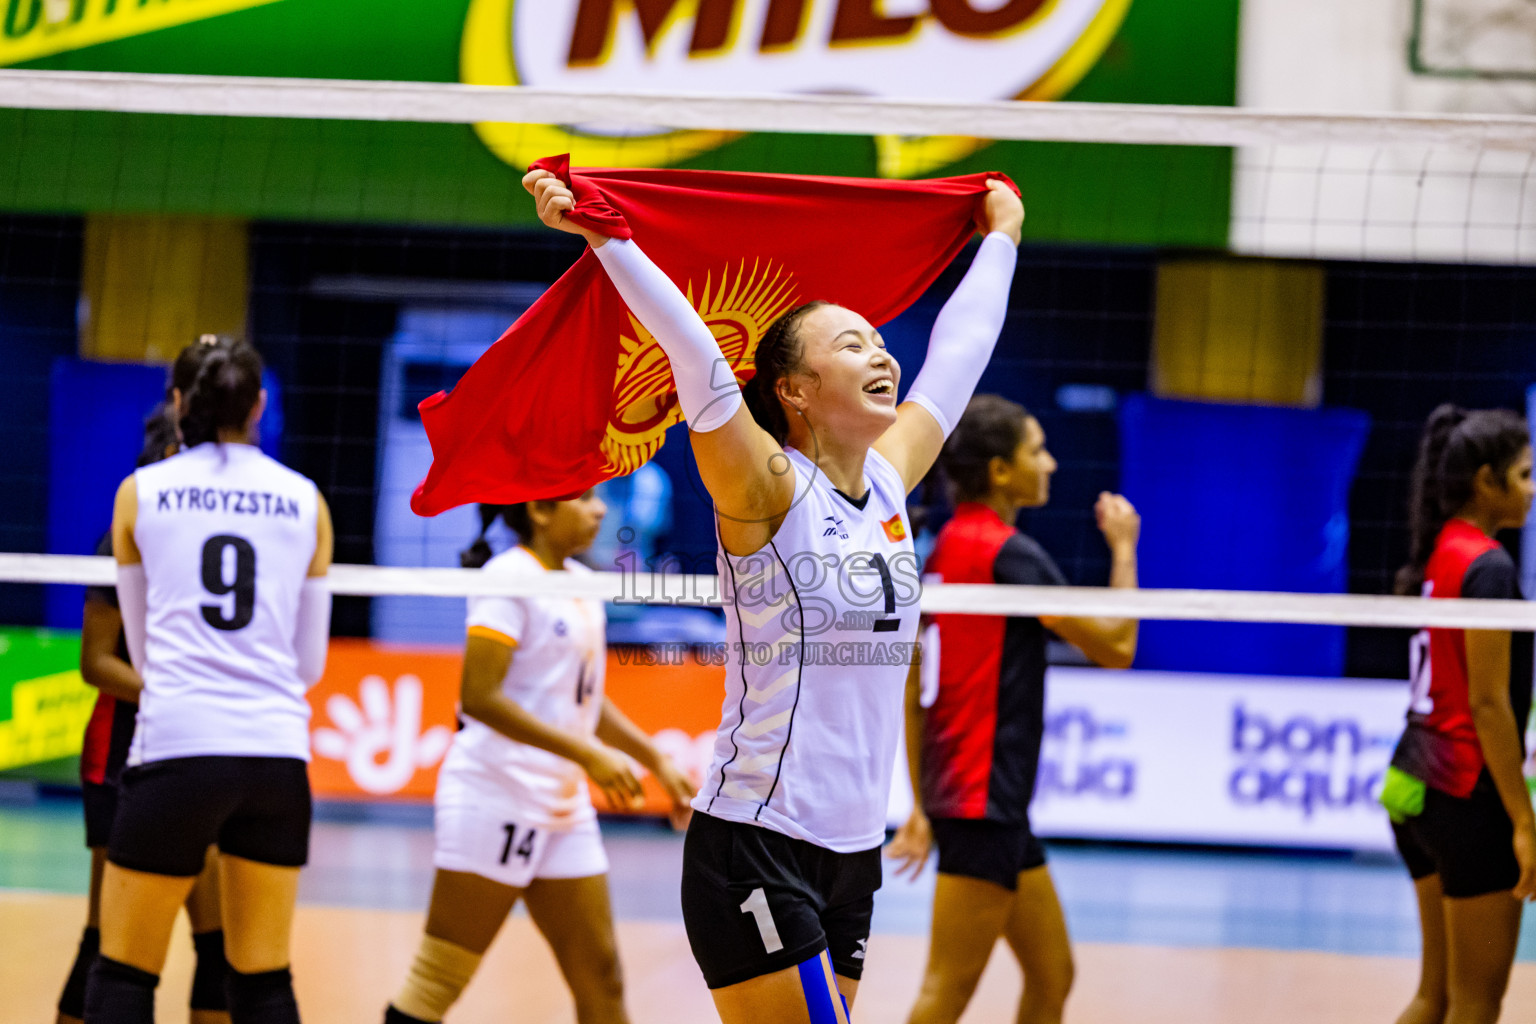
{"x": 1241, "y": 498}
{"x": 95, "y": 431}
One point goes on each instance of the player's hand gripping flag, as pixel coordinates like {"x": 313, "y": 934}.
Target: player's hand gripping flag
{"x": 576, "y": 391}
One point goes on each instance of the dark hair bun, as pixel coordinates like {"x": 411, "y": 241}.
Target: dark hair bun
{"x": 515, "y": 516}
{"x": 779, "y": 353}
{"x": 990, "y": 428}
{"x": 222, "y": 395}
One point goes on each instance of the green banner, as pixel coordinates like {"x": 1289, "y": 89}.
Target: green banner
{"x": 44, "y": 704}
{"x": 1141, "y": 51}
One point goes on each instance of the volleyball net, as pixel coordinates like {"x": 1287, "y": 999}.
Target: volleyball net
{"x": 1426, "y": 187}
{"x": 1218, "y": 309}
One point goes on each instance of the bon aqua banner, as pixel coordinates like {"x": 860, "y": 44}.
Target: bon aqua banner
{"x": 1142, "y": 51}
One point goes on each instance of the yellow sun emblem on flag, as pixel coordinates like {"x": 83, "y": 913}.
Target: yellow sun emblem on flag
{"x": 738, "y": 310}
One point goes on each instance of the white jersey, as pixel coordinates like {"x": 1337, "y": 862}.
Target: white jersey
{"x": 557, "y": 672}
{"x": 227, "y": 537}
{"x": 821, "y": 625}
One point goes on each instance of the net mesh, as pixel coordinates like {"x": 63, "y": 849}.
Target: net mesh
{"x": 388, "y": 244}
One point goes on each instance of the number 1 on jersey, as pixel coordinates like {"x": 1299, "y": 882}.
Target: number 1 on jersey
{"x": 888, "y": 588}
{"x": 757, "y": 906}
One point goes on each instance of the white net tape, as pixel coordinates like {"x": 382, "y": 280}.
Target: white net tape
{"x": 452, "y": 103}
{"x": 971, "y": 599}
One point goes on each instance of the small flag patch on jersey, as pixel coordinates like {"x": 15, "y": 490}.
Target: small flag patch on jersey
{"x": 895, "y": 529}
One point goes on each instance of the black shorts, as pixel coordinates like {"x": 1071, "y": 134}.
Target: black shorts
{"x": 100, "y": 802}
{"x": 1467, "y": 841}
{"x": 988, "y": 850}
{"x": 169, "y": 812}
{"x": 756, "y": 901}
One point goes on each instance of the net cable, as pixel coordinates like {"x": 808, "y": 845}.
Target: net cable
{"x": 937, "y": 598}
{"x": 455, "y": 103}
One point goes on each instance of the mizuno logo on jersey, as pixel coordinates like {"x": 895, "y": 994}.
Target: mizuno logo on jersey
{"x": 836, "y": 529}
{"x": 895, "y": 529}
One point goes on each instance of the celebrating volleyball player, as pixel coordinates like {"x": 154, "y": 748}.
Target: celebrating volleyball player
{"x": 104, "y": 664}
{"x": 976, "y": 750}
{"x": 1456, "y": 792}
{"x": 514, "y": 818}
{"x": 809, "y": 477}
{"x": 221, "y": 555}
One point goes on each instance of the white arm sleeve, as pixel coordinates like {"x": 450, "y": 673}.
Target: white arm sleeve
{"x": 965, "y": 332}
{"x": 133, "y": 604}
{"x": 706, "y": 387}
{"x": 312, "y": 632}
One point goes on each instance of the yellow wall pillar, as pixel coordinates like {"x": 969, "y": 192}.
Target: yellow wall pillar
{"x": 1237, "y": 330}
{"x": 152, "y": 284}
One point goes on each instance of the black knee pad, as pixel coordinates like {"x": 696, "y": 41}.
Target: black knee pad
{"x": 72, "y": 999}
{"x": 208, "y": 978}
{"x": 264, "y": 998}
{"x": 119, "y": 994}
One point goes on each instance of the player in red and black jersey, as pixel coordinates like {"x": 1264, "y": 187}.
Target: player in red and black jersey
{"x": 104, "y": 664}
{"x": 1461, "y": 810}
{"x": 976, "y": 748}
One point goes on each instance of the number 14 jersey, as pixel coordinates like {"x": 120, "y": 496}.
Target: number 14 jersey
{"x": 227, "y": 536}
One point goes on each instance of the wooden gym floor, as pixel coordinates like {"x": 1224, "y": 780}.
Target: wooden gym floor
{"x": 1162, "y": 936}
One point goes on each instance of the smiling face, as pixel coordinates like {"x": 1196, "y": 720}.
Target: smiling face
{"x": 849, "y": 382}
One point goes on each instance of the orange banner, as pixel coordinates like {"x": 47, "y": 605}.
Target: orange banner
{"x": 384, "y": 715}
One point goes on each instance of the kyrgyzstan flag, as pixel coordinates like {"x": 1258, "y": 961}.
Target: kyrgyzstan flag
{"x": 577, "y": 391}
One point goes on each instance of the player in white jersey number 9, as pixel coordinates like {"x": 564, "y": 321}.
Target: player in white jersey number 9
{"x": 222, "y": 554}
{"x": 809, "y": 473}
{"x": 104, "y": 664}
{"x": 513, "y": 817}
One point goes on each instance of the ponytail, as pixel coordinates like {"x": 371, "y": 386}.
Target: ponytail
{"x": 479, "y": 550}
{"x": 225, "y": 390}
{"x": 190, "y": 359}
{"x": 1456, "y": 444}
{"x": 992, "y": 427}
{"x": 778, "y": 354}
{"x": 515, "y": 516}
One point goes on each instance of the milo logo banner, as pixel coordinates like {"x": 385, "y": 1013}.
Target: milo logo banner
{"x": 1220, "y": 759}
{"x": 965, "y": 50}
{"x": 1126, "y": 51}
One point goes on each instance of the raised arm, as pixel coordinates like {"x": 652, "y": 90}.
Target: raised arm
{"x": 961, "y": 343}
{"x": 1108, "y": 642}
{"x": 736, "y": 457}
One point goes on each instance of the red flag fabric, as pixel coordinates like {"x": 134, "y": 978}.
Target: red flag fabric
{"x": 577, "y": 391}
